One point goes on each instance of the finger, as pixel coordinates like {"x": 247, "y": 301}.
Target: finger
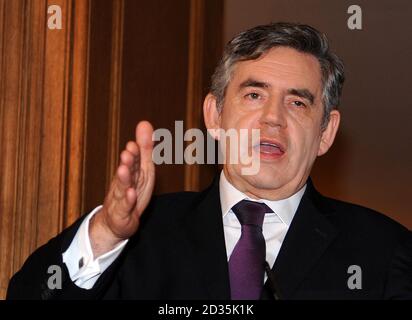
{"x": 131, "y": 197}
{"x": 132, "y": 163}
{"x": 127, "y": 202}
{"x": 132, "y": 147}
{"x": 127, "y": 158}
{"x": 123, "y": 176}
{"x": 144, "y": 132}
{"x": 122, "y": 181}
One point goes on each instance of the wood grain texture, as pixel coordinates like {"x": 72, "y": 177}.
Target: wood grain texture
{"x": 21, "y": 120}
{"x": 70, "y": 99}
{"x": 78, "y": 89}
{"x": 10, "y": 122}
{"x": 205, "y": 50}
{"x": 154, "y": 74}
{"x": 194, "y": 84}
{"x": 42, "y": 111}
{"x": 98, "y": 103}
{"x": 113, "y": 147}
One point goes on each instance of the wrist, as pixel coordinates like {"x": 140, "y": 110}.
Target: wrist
{"x": 102, "y": 239}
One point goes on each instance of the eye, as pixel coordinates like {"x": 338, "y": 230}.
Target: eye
{"x": 298, "y": 103}
{"x": 253, "y": 96}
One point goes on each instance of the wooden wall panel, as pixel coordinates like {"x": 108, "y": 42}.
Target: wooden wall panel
{"x": 54, "y": 127}
{"x": 21, "y": 119}
{"x": 194, "y": 84}
{"x": 10, "y": 123}
{"x": 70, "y": 99}
{"x": 113, "y": 148}
{"x": 155, "y": 71}
{"x": 98, "y": 103}
{"x": 207, "y": 29}
{"x": 41, "y": 124}
{"x": 77, "y": 131}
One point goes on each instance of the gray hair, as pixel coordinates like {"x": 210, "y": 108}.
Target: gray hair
{"x": 251, "y": 44}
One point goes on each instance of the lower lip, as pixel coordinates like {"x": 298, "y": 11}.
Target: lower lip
{"x": 270, "y": 153}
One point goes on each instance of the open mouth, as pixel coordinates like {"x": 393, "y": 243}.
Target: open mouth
{"x": 270, "y": 149}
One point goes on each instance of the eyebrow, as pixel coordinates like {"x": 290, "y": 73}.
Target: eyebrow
{"x": 254, "y": 83}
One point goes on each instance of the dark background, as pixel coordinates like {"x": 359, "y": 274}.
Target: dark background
{"x": 371, "y": 161}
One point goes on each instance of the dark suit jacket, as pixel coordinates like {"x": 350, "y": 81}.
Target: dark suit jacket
{"x": 179, "y": 253}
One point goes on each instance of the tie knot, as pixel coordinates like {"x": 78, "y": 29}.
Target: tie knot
{"x": 251, "y": 212}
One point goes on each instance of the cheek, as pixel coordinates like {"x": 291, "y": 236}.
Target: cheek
{"x": 304, "y": 119}
{"x": 236, "y": 119}
{"x": 305, "y": 124}
{"x": 304, "y": 141}
{"x": 312, "y": 147}
{"x": 226, "y": 118}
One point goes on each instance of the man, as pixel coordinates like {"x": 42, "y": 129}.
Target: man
{"x": 266, "y": 235}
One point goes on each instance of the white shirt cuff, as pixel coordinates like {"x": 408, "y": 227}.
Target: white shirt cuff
{"x": 84, "y": 270}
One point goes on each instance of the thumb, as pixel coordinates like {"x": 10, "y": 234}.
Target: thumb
{"x": 144, "y": 132}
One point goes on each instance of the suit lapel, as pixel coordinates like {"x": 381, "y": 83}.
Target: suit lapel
{"x": 204, "y": 228}
{"x": 309, "y": 235}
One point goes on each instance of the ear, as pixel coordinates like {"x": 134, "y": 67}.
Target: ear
{"x": 329, "y": 133}
{"x": 211, "y": 115}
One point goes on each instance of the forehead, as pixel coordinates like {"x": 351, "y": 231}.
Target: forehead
{"x": 281, "y": 68}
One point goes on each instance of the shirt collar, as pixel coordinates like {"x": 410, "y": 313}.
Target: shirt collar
{"x": 285, "y": 209}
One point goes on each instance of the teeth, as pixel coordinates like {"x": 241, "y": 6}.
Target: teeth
{"x": 269, "y": 144}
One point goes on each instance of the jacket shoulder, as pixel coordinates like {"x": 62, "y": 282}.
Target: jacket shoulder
{"x": 365, "y": 222}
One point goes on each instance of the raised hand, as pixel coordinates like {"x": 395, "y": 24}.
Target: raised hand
{"x": 129, "y": 194}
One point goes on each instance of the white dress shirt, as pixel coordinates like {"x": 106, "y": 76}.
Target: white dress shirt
{"x": 84, "y": 269}
{"x": 275, "y": 224}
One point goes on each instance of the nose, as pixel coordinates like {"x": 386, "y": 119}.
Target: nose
{"x": 273, "y": 114}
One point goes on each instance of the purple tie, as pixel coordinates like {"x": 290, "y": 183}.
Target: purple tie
{"x": 247, "y": 262}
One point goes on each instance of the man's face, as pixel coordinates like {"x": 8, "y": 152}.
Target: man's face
{"x": 281, "y": 94}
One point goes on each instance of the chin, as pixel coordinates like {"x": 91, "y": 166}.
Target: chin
{"x": 266, "y": 179}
